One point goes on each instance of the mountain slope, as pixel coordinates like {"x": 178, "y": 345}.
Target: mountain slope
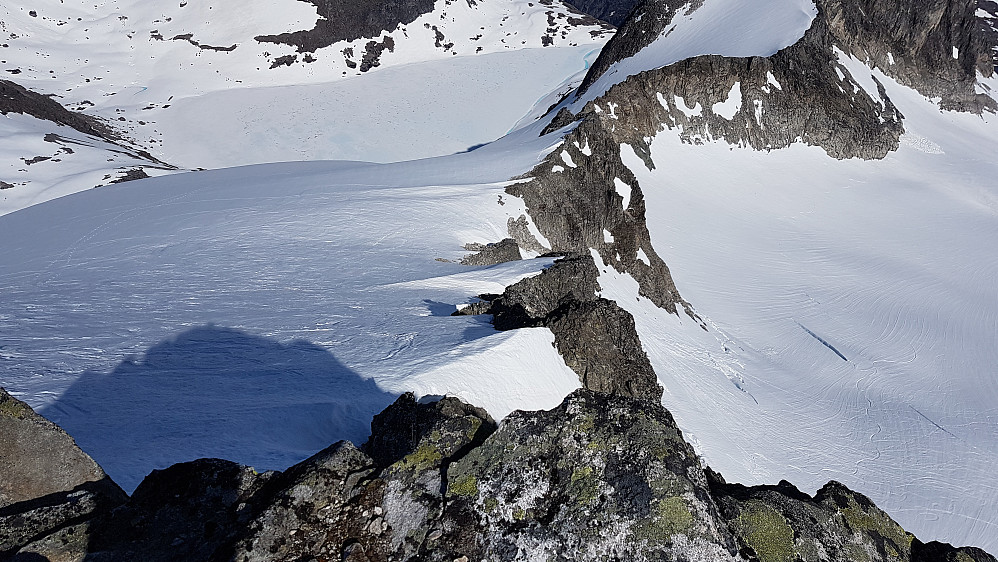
{"x": 827, "y": 311}
{"x": 841, "y": 323}
{"x": 210, "y": 85}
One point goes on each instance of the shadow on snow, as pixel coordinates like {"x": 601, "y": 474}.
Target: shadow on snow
{"x": 217, "y": 392}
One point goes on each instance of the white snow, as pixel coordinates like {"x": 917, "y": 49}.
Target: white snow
{"x": 643, "y": 256}
{"x": 127, "y": 62}
{"x": 688, "y": 111}
{"x": 623, "y": 190}
{"x": 852, "y": 314}
{"x": 718, "y": 27}
{"x": 567, "y": 159}
{"x": 772, "y": 81}
{"x": 861, "y": 74}
{"x": 607, "y": 236}
{"x": 261, "y": 313}
{"x": 956, "y": 53}
{"x": 890, "y": 58}
{"x": 731, "y": 104}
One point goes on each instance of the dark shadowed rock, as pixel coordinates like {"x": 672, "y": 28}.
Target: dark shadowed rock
{"x": 184, "y": 512}
{"x": 17, "y": 99}
{"x": 327, "y": 506}
{"x": 613, "y": 12}
{"x": 596, "y": 338}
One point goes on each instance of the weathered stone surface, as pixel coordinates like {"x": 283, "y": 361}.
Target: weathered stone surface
{"x": 780, "y": 523}
{"x": 599, "y": 477}
{"x": 914, "y": 42}
{"x": 31, "y": 520}
{"x": 37, "y": 457}
{"x": 505, "y": 250}
{"x": 46, "y": 481}
{"x": 184, "y": 512}
{"x": 326, "y": 506}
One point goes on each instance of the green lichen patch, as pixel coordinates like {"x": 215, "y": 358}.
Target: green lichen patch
{"x": 670, "y": 516}
{"x": 766, "y": 531}
{"x": 873, "y": 522}
{"x": 426, "y": 456}
{"x": 584, "y": 486}
{"x": 466, "y": 486}
{"x": 11, "y": 407}
{"x": 475, "y": 424}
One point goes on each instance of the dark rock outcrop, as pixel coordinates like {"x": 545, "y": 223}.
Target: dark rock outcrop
{"x": 347, "y": 20}
{"x": 583, "y": 197}
{"x": 15, "y": 98}
{"x": 936, "y": 47}
{"x": 596, "y": 338}
{"x": 646, "y": 21}
{"x": 184, "y": 512}
{"x": 599, "y": 477}
{"x": 614, "y": 12}
{"x": 503, "y": 251}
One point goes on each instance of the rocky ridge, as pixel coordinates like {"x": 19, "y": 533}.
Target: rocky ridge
{"x": 602, "y": 476}
{"x": 583, "y": 197}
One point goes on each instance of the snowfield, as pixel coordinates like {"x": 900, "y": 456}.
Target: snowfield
{"x": 262, "y": 313}
{"x": 852, "y": 309}
{"x": 153, "y": 73}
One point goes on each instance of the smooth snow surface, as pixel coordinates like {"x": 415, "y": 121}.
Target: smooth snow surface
{"x": 150, "y": 70}
{"x": 852, "y": 309}
{"x": 718, "y": 27}
{"x": 261, "y": 313}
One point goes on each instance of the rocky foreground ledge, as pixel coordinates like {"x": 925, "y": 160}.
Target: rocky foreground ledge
{"x": 600, "y": 477}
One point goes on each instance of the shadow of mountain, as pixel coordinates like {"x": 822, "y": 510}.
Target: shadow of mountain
{"x": 217, "y": 392}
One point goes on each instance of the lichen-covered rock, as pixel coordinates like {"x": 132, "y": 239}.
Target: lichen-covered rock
{"x": 782, "y": 524}
{"x": 599, "y": 477}
{"x": 417, "y": 443}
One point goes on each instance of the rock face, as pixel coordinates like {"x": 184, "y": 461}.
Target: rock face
{"x": 599, "y": 477}
{"x": 347, "y": 20}
{"x": 596, "y": 338}
{"x": 583, "y": 197}
{"x": 17, "y": 99}
{"x": 614, "y": 12}
{"x": 505, "y": 250}
{"x": 46, "y": 482}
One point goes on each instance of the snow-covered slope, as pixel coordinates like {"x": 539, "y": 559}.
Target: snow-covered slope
{"x": 261, "y": 313}
{"x": 852, "y": 313}
{"x": 210, "y": 84}
{"x": 848, "y": 307}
